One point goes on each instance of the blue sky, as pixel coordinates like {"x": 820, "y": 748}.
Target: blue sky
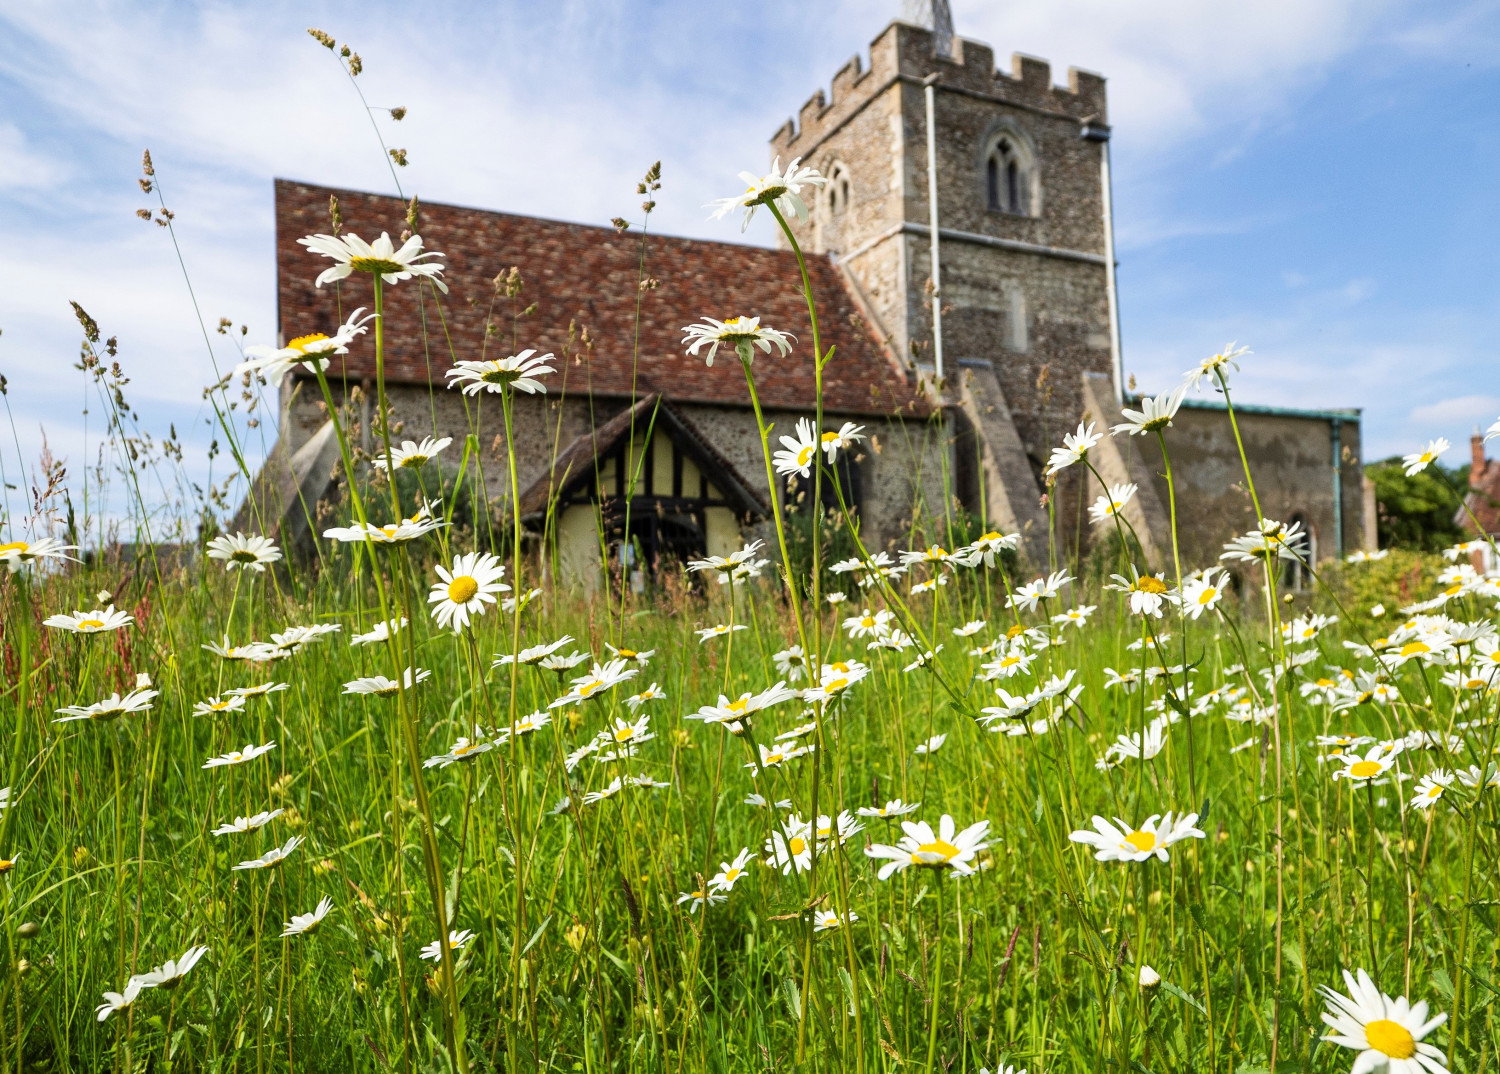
{"x": 1311, "y": 177}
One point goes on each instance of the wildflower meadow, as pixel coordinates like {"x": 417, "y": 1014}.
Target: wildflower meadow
{"x": 403, "y": 799}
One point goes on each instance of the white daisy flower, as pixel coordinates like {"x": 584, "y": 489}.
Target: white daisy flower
{"x": 234, "y": 757}
{"x": 707, "y": 633}
{"x": 654, "y": 692}
{"x": 112, "y": 707}
{"x": 988, "y": 547}
{"x": 379, "y": 258}
{"x": 271, "y": 858}
{"x": 892, "y": 809}
{"x": 1121, "y": 842}
{"x": 783, "y": 190}
{"x": 1213, "y": 367}
{"x": 216, "y": 705}
{"x": 381, "y": 686}
{"x": 845, "y": 438}
{"x": 241, "y": 552}
{"x": 1075, "y": 448}
{"x": 473, "y": 582}
{"x": 638, "y": 657}
{"x": 932, "y": 745}
{"x": 562, "y": 662}
{"x": 1376, "y": 762}
{"x": 742, "y": 334}
{"x": 16, "y": 554}
{"x": 1362, "y": 556}
{"x": 265, "y": 689}
{"x": 791, "y": 663}
{"x": 869, "y": 624}
{"x": 695, "y": 899}
{"x": 834, "y": 679}
{"x": 465, "y": 749}
{"x": 411, "y": 455}
{"x": 532, "y": 656}
{"x": 312, "y": 352}
{"x": 171, "y": 972}
{"x": 1147, "y": 593}
{"x": 791, "y": 847}
{"x": 1204, "y": 592}
{"x": 94, "y": 622}
{"x": 601, "y": 678}
{"x": 1028, "y": 596}
{"x": 302, "y": 924}
{"x": 408, "y": 529}
{"x": 797, "y": 454}
{"x": 824, "y": 920}
{"x": 457, "y": 941}
{"x": 1155, "y": 413}
{"x": 731, "y": 871}
{"x": 518, "y": 372}
{"x": 241, "y": 825}
{"x": 381, "y": 631}
{"x": 253, "y": 652}
{"x": 1418, "y": 461}
{"x": 1430, "y": 788}
{"x": 947, "y": 848}
{"x": 1112, "y": 503}
{"x": 1386, "y": 1032}
{"x": 119, "y": 1001}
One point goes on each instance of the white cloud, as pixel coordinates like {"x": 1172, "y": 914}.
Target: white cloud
{"x": 552, "y": 110}
{"x": 1475, "y": 411}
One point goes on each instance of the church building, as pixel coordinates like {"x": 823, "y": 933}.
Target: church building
{"x": 962, "y": 403}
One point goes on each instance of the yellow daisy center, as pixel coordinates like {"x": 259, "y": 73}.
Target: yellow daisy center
{"x": 835, "y": 685}
{"x": 797, "y": 845}
{"x": 14, "y": 546}
{"x": 1412, "y": 648}
{"x": 1208, "y": 594}
{"x": 867, "y": 621}
{"x": 1144, "y": 842}
{"x": 732, "y": 874}
{"x": 1453, "y": 590}
{"x": 829, "y": 438}
{"x": 90, "y": 624}
{"x": 6, "y": 864}
{"x": 589, "y": 687}
{"x": 624, "y": 734}
{"x": 805, "y": 454}
{"x": 628, "y": 654}
{"x": 1391, "y": 1038}
{"x": 375, "y": 264}
{"x": 940, "y": 847}
{"x": 1364, "y": 769}
{"x": 462, "y": 589}
{"x": 301, "y": 343}
{"x": 1435, "y": 791}
{"x": 243, "y": 555}
{"x": 467, "y": 747}
{"x": 1151, "y": 585}
{"x": 1015, "y": 630}
{"x": 738, "y": 706}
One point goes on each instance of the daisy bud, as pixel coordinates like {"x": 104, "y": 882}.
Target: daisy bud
{"x": 28, "y": 930}
{"x": 1148, "y": 977}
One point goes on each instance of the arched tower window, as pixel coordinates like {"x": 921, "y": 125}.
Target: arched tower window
{"x": 1009, "y": 176}
{"x": 831, "y": 211}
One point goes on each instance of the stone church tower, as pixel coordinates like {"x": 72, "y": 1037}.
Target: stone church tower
{"x": 1027, "y": 294}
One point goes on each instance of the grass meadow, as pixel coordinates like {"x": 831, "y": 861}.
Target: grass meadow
{"x": 931, "y": 807}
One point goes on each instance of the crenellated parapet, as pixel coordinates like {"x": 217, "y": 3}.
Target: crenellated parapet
{"x": 903, "y": 52}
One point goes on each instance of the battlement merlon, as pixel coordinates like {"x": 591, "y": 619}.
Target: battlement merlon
{"x": 903, "y": 52}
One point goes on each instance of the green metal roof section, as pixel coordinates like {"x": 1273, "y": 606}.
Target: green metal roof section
{"x": 1352, "y": 414}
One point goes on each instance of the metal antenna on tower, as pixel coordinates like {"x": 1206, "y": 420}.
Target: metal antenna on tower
{"x": 934, "y": 15}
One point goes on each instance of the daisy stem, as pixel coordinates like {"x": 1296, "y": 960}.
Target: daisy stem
{"x": 934, "y": 994}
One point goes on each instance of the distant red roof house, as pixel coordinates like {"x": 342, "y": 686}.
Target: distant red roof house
{"x": 587, "y": 276}
{"x": 1483, "y": 500}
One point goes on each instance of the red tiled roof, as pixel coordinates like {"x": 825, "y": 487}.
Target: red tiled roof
{"x": 1483, "y": 500}
{"x": 589, "y": 275}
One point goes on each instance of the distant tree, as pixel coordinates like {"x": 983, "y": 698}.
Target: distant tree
{"x": 1417, "y": 512}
